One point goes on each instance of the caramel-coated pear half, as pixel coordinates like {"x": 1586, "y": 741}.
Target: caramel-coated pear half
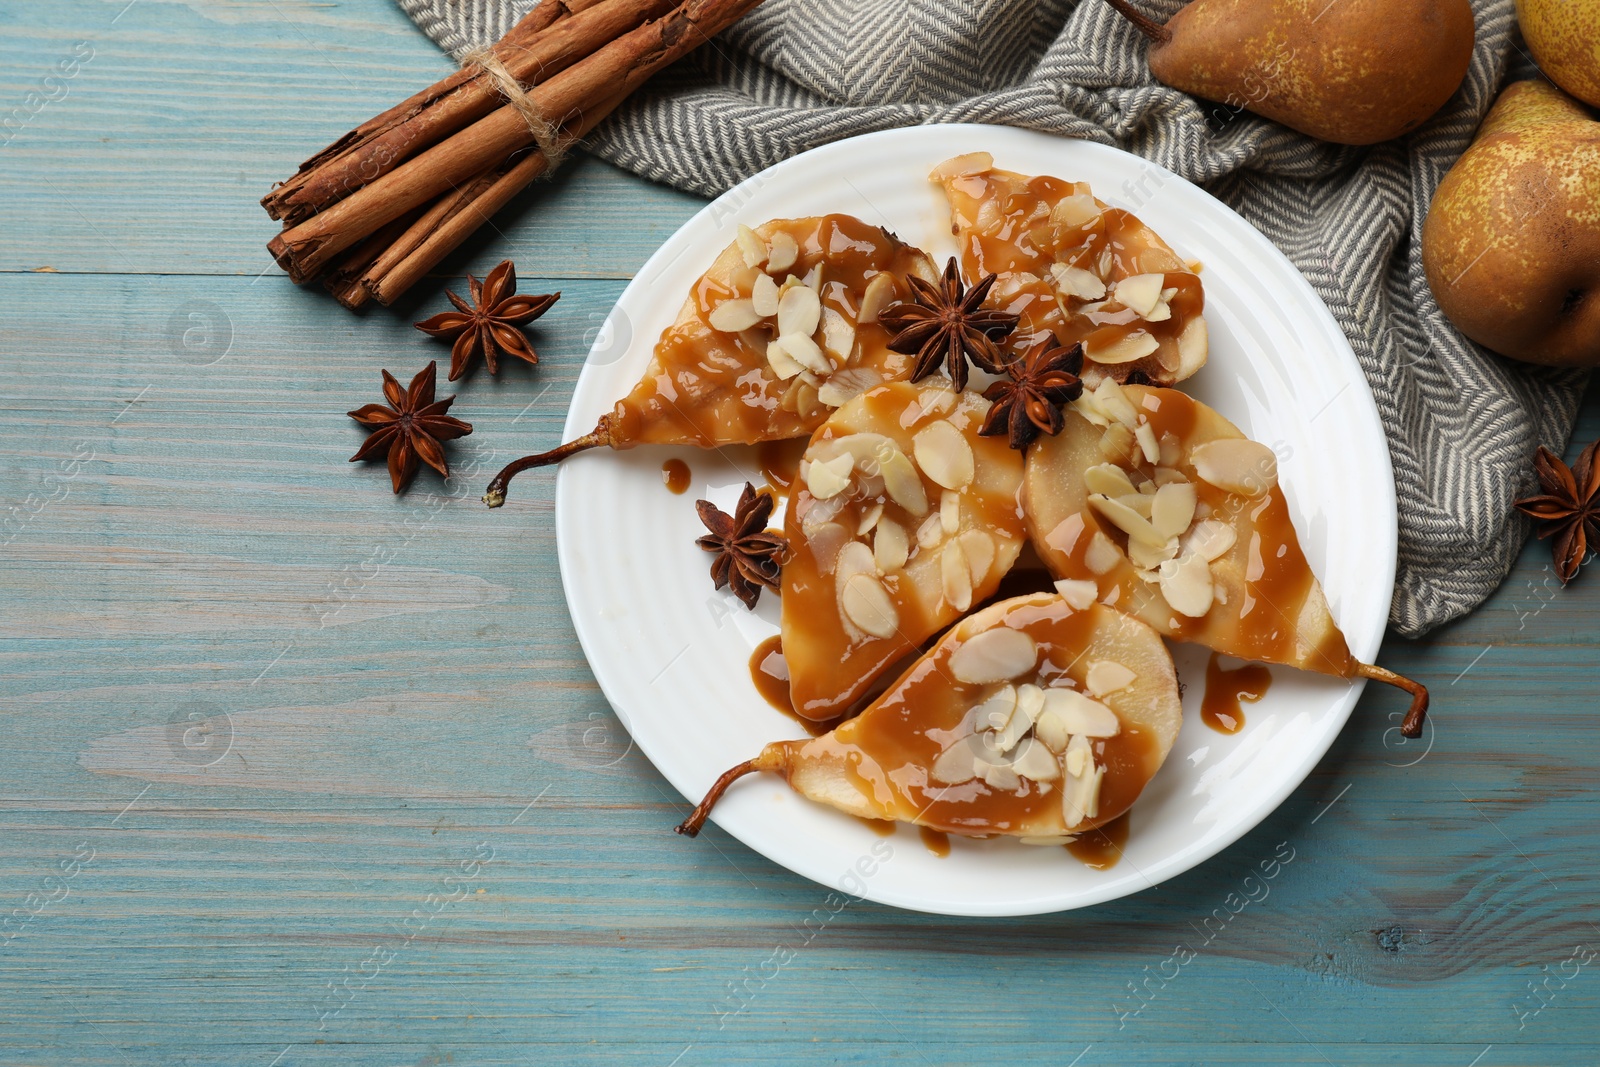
{"x": 781, "y": 330}
{"x": 902, "y": 520}
{"x": 1151, "y": 502}
{"x": 1031, "y": 718}
{"x": 1076, "y": 269}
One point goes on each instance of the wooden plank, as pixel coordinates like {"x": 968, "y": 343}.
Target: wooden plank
{"x": 245, "y": 758}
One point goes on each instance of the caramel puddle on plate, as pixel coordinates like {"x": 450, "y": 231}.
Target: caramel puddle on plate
{"x": 881, "y": 827}
{"x": 936, "y": 841}
{"x": 675, "y": 475}
{"x": 1221, "y": 707}
{"x": 769, "y": 671}
{"x": 780, "y": 462}
{"x": 1101, "y": 848}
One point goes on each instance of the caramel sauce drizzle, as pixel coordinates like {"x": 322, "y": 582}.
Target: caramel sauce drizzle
{"x": 1221, "y": 708}
{"x": 675, "y": 475}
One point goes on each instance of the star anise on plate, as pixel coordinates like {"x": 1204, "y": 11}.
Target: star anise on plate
{"x": 491, "y": 327}
{"x": 947, "y": 323}
{"x": 1569, "y": 507}
{"x": 410, "y": 428}
{"x": 1028, "y": 401}
{"x": 748, "y": 556}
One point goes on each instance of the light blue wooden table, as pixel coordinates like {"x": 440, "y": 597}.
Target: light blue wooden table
{"x": 259, "y": 805}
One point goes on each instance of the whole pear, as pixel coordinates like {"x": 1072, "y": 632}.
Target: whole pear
{"x": 1350, "y": 71}
{"x": 1511, "y": 245}
{"x": 1565, "y": 38}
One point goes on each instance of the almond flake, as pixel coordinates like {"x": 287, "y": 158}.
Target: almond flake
{"x": 950, "y": 511}
{"x": 1108, "y": 479}
{"x": 978, "y": 547}
{"x": 764, "y": 296}
{"x": 944, "y": 455}
{"x": 1172, "y": 510}
{"x": 1193, "y": 344}
{"x": 889, "y": 546}
{"x": 1075, "y": 210}
{"x": 783, "y": 251}
{"x": 1081, "y": 800}
{"x": 1210, "y": 539}
{"x": 997, "y": 655}
{"x": 804, "y": 351}
{"x": 1107, "y": 676}
{"x": 1237, "y": 465}
{"x": 1124, "y": 518}
{"x": 1080, "y": 757}
{"x": 867, "y": 604}
{"x": 869, "y": 519}
{"x": 752, "y": 246}
{"x": 1110, "y": 399}
{"x": 828, "y": 478}
{"x": 1125, "y": 349}
{"x": 844, "y": 386}
{"x": 1145, "y": 434}
{"x": 955, "y": 576}
{"x": 1186, "y": 585}
{"x": 1036, "y": 762}
{"x": 878, "y": 295}
{"x": 782, "y": 363}
{"x": 901, "y": 481}
{"x": 852, "y": 558}
{"x": 1171, "y": 450}
{"x": 931, "y": 532}
{"x": 995, "y": 712}
{"x": 954, "y": 765}
{"x": 732, "y": 316}
{"x": 1077, "y": 282}
{"x": 1102, "y": 555}
{"x": 1080, "y": 714}
{"x": 962, "y": 166}
{"x": 1079, "y": 593}
{"x": 1142, "y": 293}
{"x": 1001, "y": 777}
{"x": 799, "y": 311}
{"x": 838, "y": 335}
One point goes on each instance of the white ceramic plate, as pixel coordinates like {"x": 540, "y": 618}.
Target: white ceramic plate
{"x": 671, "y": 654}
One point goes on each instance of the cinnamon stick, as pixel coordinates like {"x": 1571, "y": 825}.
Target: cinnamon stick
{"x": 428, "y": 240}
{"x": 617, "y": 69}
{"x": 532, "y": 52}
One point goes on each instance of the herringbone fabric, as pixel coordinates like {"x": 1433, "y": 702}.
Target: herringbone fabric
{"x": 794, "y": 74}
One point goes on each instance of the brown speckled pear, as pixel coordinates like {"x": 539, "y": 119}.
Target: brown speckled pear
{"x": 1511, "y": 244}
{"x": 1350, "y": 71}
{"x": 1565, "y": 38}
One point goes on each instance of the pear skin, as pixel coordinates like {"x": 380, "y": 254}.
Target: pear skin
{"x": 1564, "y": 36}
{"x": 1350, "y": 71}
{"x": 1511, "y": 244}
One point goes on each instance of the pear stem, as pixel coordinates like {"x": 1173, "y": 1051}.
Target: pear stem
{"x": 496, "y": 494}
{"x": 1152, "y": 29}
{"x": 1411, "y": 725}
{"x": 697, "y": 818}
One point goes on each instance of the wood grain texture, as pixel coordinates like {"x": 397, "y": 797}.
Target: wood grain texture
{"x": 300, "y": 772}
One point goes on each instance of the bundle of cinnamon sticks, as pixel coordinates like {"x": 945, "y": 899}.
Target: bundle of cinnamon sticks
{"x": 376, "y": 210}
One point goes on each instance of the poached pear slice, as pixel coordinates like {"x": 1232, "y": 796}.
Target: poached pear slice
{"x": 1151, "y": 502}
{"x": 1031, "y": 718}
{"x": 902, "y": 519}
{"x": 1076, "y": 269}
{"x": 775, "y": 335}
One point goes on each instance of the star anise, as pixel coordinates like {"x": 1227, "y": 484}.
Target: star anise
{"x": 949, "y": 324}
{"x": 748, "y": 557}
{"x": 410, "y": 428}
{"x": 491, "y": 327}
{"x": 1569, "y": 507}
{"x": 1028, "y": 403}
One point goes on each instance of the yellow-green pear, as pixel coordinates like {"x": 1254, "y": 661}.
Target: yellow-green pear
{"x": 1350, "y": 71}
{"x": 1565, "y": 38}
{"x": 1511, "y": 244}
